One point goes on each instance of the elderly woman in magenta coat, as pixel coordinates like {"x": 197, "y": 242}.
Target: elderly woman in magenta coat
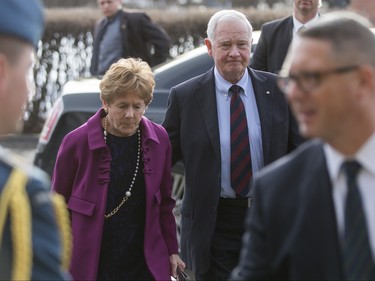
{"x": 115, "y": 174}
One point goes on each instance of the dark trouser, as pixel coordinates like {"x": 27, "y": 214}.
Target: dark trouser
{"x": 227, "y": 240}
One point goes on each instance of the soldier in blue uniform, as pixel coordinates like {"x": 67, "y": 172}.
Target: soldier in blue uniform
{"x": 34, "y": 225}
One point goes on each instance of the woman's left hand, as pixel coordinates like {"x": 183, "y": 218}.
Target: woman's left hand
{"x": 176, "y": 261}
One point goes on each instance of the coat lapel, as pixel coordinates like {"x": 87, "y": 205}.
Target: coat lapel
{"x": 286, "y": 37}
{"x": 124, "y": 31}
{"x": 207, "y": 102}
{"x": 263, "y": 95}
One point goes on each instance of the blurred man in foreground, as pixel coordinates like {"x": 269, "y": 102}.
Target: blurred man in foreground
{"x": 313, "y": 216}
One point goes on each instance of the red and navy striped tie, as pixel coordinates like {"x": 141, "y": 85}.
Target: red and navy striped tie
{"x": 240, "y": 160}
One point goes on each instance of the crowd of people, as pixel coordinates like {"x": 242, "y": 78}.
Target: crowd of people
{"x": 277, "y": 151}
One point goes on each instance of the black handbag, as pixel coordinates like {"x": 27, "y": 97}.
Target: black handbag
{"x": 182, "y": 275}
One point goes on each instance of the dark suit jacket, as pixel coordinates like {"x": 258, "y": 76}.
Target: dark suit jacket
{"x": 46, "y": 246}
{"x": 192, "y": 124}
{"x": 139, "y": 35}
{"x": 292, "y": 230}
{"x": 273, "y": 45}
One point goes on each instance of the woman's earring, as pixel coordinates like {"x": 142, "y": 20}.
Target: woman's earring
{"x": 106, "y": 110}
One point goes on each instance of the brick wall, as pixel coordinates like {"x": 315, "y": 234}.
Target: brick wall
{"x": 364, "y": 7}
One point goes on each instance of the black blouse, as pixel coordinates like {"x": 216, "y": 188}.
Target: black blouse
{"x": 122, "y": 251}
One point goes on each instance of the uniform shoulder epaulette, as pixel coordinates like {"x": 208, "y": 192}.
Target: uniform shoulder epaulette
{"x": 13, "y": 195}
{"x": 13, "y": 160}
{"x": 63, "y": 223}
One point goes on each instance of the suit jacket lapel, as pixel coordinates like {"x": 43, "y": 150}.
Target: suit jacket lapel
{"x": 286, "y": 35}
{"x": 317, "y": 219}
{"x": 124, "y": 31}
{"x": 99, "y": 32}
{"x": 206, "y": 97}
{"x": 263, "y": 95}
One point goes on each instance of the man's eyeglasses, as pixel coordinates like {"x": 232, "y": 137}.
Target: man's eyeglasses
{"x": 308, "y": 81}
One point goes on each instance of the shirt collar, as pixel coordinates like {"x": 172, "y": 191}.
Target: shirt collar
{"x": 223, "y": 85}
{"x": 365, "y": 155}
{"x": 297, "y": 24}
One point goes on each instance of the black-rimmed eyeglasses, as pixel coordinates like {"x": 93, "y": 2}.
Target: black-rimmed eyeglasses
{"x": 307, "y": 81}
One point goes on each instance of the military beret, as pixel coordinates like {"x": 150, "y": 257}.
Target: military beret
{"x": 23, "y": 19}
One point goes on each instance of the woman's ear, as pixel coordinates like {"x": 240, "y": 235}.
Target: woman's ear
{"x": 105, "y": 106}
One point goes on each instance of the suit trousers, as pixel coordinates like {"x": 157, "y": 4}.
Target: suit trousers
{"x": 227, "y": 240}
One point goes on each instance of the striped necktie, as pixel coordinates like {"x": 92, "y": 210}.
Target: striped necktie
{"x": 240, "y": 160}
{"x": 357, "y": 255}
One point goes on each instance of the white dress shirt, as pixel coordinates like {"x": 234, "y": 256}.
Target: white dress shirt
{"x": 366, "y": 183}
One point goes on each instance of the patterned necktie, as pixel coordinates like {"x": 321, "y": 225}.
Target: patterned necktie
{"x": 240, "y": 160}
{"x": 358, "y": 263}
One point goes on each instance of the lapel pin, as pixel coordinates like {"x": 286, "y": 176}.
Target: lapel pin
{"x": 267, "y": 92}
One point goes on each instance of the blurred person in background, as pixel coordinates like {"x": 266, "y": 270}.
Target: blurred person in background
{"x": 115, "y": 174}
{"x": 122, "y": 34}
{"x": 313, "y": 216}
{"x": 277, "y": 35}
{"x": 31, "y": 246}
{"x": 224, "y": 125}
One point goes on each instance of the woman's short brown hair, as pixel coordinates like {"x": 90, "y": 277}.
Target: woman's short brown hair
{"x": 128, "y": 76}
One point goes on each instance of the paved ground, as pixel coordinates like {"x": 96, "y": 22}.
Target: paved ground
{"x": 23, "y": 145}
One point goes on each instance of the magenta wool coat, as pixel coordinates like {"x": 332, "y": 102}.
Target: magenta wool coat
{"x": 81, "y": 175}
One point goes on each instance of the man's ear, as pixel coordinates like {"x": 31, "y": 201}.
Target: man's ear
{"x": 366, "y": 78}
{"x": 208, "y": 44}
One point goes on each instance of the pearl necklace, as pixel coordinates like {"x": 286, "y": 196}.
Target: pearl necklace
{"x": 128, "y": 192}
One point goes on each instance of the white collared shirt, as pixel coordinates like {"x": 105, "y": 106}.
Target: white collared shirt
{"x": 366, "y": 183}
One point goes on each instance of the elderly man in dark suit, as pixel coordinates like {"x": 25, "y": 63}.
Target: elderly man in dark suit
{"x": 313, "y": 216}
{"x": 30, "y": 246}
{"x": 122, "y": 34}
{"x": 277, "y": 35}
{"x": 224, "y": 125}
